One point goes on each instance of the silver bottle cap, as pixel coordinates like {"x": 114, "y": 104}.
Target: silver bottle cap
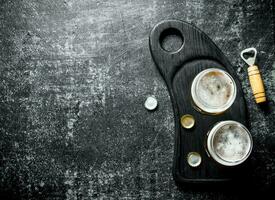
{"x": 194, "y": 159}
{"x": 151, "y": 103}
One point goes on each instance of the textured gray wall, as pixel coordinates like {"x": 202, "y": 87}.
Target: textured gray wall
{"x": 74, "y": 75}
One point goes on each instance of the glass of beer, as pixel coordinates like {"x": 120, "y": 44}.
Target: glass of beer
{"x": 213, "y": 91}
{"x": 229, "y": 143}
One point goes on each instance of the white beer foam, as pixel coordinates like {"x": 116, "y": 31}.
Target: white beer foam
{"x": 231, "y": 143}
{"x": 215, "y": 89}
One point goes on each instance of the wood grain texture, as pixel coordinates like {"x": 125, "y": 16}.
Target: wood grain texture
{"x": 178, "y": 69}
{"x": 256, "y": 83}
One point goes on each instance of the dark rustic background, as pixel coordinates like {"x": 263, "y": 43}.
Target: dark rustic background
{"x": 73, "y": 79}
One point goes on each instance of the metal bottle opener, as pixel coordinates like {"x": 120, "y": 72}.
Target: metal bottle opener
{"x": 254, "y": 75}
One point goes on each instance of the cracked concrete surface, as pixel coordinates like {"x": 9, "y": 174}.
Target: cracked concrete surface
{"x": 73, "y": 79}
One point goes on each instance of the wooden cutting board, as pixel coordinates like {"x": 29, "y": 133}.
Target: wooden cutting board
{"x": 178, "y": 68}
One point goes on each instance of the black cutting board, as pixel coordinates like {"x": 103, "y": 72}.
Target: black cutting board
{"x": 178, "y": 69}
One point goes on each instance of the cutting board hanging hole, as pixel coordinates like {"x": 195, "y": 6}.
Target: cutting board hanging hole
{"x": 171, "y": 40}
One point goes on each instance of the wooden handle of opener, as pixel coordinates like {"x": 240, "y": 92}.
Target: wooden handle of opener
{"x": 256, "y": 83}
